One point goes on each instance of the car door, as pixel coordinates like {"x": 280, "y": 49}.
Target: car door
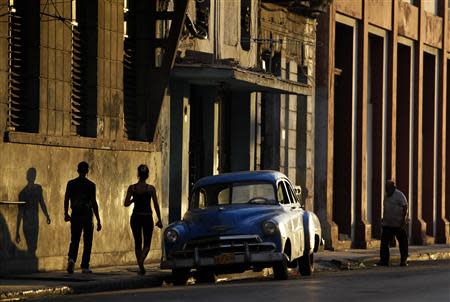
{"x": 297, "y": 241}
{"x": 283, "y": 199}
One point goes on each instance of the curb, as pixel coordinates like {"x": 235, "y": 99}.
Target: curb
{"x": 351, "y": 264}
{"x": 87, "y": 287}
{"x": 157, "y": 280}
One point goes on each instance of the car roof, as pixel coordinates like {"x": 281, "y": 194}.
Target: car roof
{"x": 244, "y": 176}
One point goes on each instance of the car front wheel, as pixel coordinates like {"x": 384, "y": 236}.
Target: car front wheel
{"x": 280, "y": 269}
{"x": 180, "y": 276}
{"x": 306, "y": 265}
{"x": 205, "y": 276}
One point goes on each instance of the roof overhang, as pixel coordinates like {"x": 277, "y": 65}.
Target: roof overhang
{"x": 236, "y": 78}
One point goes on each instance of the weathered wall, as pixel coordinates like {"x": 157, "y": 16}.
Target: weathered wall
{"x": 112, "y": 171}
{"x": 380, "y": 13}
{"x": 226, "y": 35}
{"x": 55, "y": 151}
{"x": 350, "y": 8}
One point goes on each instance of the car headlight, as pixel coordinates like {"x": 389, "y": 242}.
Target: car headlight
{"x": 269, "y": 228}
{"x": 171, "y": 235}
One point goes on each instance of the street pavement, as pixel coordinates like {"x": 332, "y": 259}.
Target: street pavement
{"x": 421, "y": 281}
{"x": 116, "y": 278}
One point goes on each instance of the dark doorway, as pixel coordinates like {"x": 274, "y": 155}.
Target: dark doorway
{"x": 403, "y": 113}
{"x": 447, "y": 153}
{"x": 375, "y": 132}
{"x": 429, "y": 95}
{"x": 196, "y": 156}
{"x": 342, "y": 149}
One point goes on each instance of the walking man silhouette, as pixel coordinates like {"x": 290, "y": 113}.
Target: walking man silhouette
{"x": 81, "y": 194}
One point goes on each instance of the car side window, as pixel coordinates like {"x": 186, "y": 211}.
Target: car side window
{"x": 282, "y": 194}
{"x": 224, "y": 196}
{"x": 290, "y": 193}
{"x": 201, "y": 199}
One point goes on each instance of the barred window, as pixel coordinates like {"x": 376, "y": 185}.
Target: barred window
{"x": 84, "y": 68}
{"x": 23, "y": 61}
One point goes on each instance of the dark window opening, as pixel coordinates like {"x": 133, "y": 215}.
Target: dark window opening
{"x": 246, "y": 22}
{"x": 303, "y": 67}
{"x": 200, "y": 28}
{"x": 24, "y": 39}
{"x": 84, "y": 70}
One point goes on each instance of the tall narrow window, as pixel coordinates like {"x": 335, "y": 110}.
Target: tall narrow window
{"x": 129, "y": 69}
{"x": 246, "y": 22}
{"x": 23, "y": 59}
{"x": 84, "y": 68}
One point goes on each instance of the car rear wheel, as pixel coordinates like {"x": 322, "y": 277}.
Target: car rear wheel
{"x": 280, "y": 269}
{"x": 306, "y": 265}
{"x": 180, "y": 276}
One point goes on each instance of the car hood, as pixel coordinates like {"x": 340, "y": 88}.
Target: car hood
{"x": 229, "y": 220}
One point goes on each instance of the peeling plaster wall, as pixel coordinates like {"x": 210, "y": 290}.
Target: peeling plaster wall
{"x": 433, "y": 30}
{"x": 408, "y": 20}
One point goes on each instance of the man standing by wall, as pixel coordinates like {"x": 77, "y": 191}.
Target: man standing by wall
{"x": 394, "y": 224}
{"x": 81, "y": 194}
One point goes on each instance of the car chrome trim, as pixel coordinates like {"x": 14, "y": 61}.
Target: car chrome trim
{"x": 209, "y": 261}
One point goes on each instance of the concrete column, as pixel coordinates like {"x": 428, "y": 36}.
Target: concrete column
{"x": 418, "y": 224}
{"x": 179, "y": 150}
{"x": 362, "y": 228}
{"x": 110, "y": 70}
{"x": 271, "y": 145}
{"x": 324, "y": 128}
{"x": 392, "y": 90}
{"x": 210, "y": 115}
{"x": 442, "y": 224}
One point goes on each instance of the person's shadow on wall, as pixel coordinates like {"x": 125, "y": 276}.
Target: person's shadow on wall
{"x": 28, "y": 212}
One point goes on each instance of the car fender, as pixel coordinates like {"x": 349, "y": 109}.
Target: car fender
{"x": 309, "y": 232}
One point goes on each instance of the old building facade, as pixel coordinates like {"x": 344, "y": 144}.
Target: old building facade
{"x": 382, "y": 112}
{"x": 190, "y": 88}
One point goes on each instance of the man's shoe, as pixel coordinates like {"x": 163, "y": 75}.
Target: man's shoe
{"x": 70, "y": 266}
{"x": 404, "y": 263}
{"x": 86, "y": 271}
{"x": 381, "y": 263}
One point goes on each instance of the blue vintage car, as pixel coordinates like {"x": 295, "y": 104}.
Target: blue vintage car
{"x": 242, "y": 221}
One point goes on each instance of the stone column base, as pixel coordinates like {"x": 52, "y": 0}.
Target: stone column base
{"x": 419, "y": 232}
{"x": 363, "y": 235}
{"x": 330, "y": 235}
{"x": 442, "y": 231}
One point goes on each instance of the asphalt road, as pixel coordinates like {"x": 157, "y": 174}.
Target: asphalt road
{"x": 425, "y": 281}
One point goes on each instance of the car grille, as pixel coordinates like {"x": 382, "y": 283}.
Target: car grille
{"x": 213, "y": 246}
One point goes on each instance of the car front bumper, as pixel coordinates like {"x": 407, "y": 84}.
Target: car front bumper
{"x": 248, "y": 259}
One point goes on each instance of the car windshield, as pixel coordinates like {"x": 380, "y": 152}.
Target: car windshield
{"x": 233, "y": 193}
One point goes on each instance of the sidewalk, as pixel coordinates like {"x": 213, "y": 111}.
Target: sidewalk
{"x": 125, "y": 277}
